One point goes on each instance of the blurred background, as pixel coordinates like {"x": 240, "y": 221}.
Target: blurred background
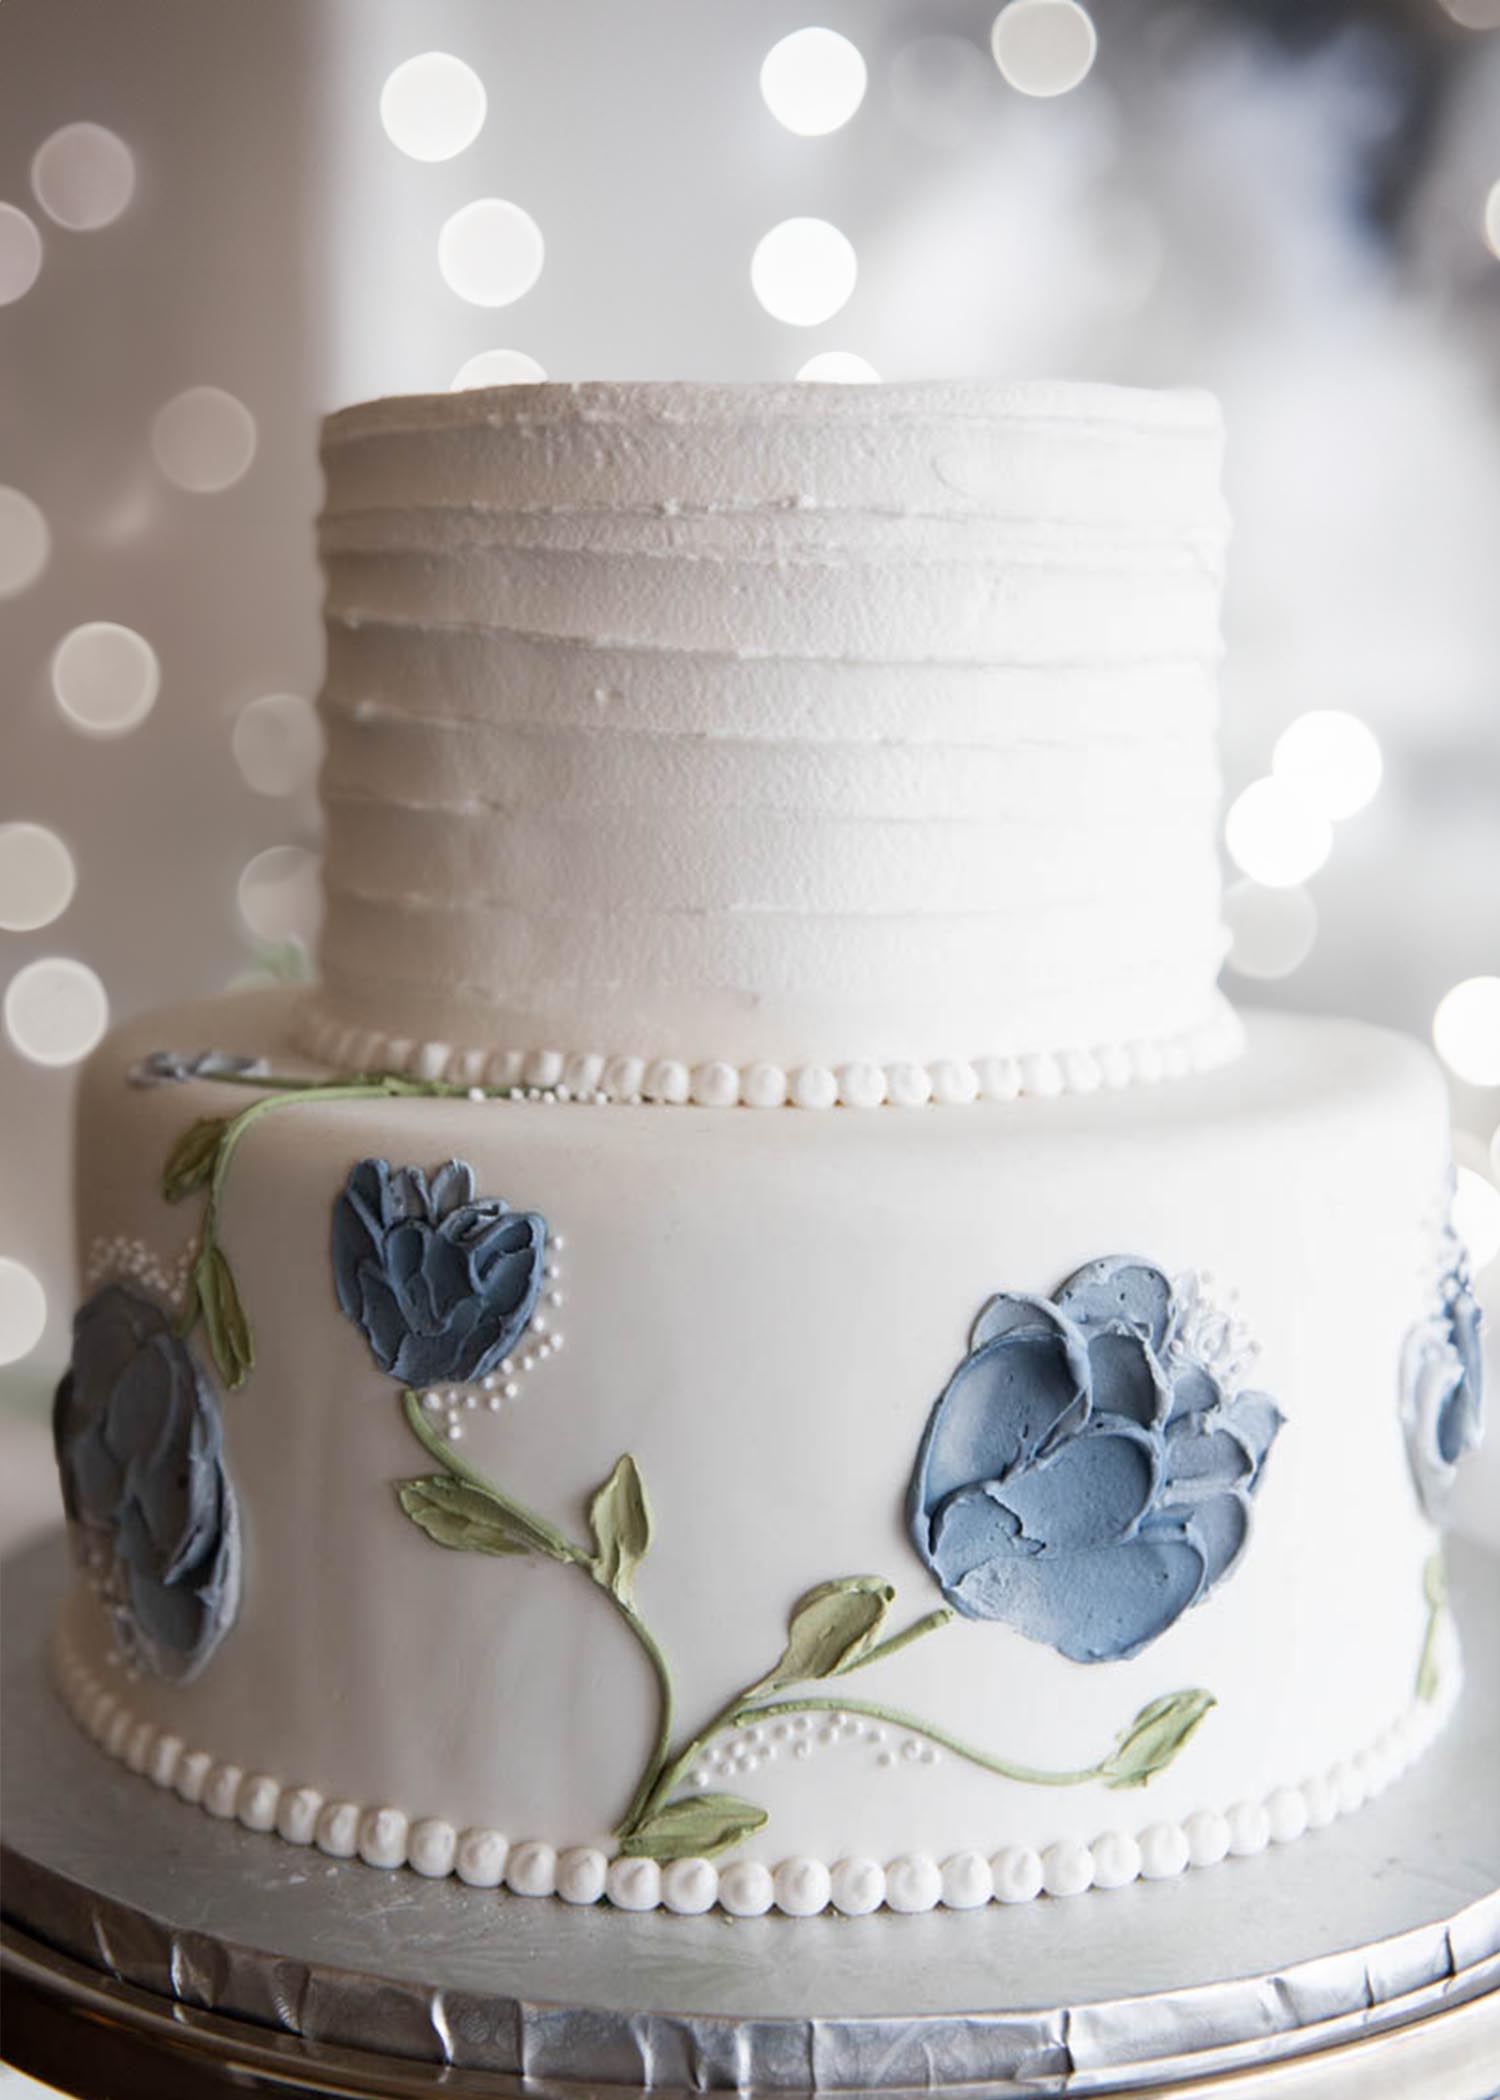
{"x": 217, "y": 222}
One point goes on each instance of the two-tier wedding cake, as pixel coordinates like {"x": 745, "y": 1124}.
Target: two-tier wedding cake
{"x": 765, "y": 1337}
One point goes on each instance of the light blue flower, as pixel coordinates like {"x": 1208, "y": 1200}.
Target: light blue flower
{"x": 1442, "y": 1383}
{"x": 140, "y": 1452}
{"x": 440, "y": 1284}
{"x": 1085, "y": 1477}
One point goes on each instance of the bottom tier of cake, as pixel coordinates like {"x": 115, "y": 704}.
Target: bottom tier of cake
{"x": 757, "y": 1507}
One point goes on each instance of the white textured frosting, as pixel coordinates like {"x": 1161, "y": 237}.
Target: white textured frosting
{"x": 809, "y": 727}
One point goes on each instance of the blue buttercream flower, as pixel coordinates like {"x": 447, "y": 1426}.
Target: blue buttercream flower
{"x": 441, "y": 1285}
{"x": 1442, "y": 1383}
{"x": 140, "y": 1451}
{"x": 172, "y": 1067}
{"x": 1087, "y": 1477}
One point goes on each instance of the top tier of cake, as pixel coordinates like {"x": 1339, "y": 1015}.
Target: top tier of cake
{"x": 738, "y": 742}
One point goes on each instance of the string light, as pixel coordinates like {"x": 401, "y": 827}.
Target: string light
{"x": 278, "y": 743}
{"x": 804, "y": 271}
{"x": 25, "y": 543}
{"x": 813, "y": 81}
{"x": 204, "y": 440}
{"x": 1275, "y": 836}
{"x": 37, "y": 877}
{"x": 83, "y": 176}
{"x": 23, "y": 1310}
{"x": 491, "y": 252}
{"x": 1044, "y": 47}
{"x": 56, "y": 1010}
{"x": 105, "y": 677}
{"x": 20, "y": 254}
{"x": 1271, "y": 931}
{"x": 1332, "y": 759}
{"x": 1466, "y": 1030}
{"x": 498, "y": 368}
{"x": 840, "y": 368}
{"x": 433, "y": 106}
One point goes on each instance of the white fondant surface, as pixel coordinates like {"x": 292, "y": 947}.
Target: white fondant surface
{"x": 762, "y": 1310}
{"x": 797, "y": 726}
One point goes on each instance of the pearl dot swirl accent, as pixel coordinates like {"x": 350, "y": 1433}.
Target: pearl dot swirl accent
{"x": 386, "y": 1836}
{"x": 807, "y": 744}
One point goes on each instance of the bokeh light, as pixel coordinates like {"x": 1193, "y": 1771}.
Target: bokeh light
{"x": 942, "y": 91}
{"x": 25, "y": 542}
{"x": 497, "y": 368}
{"x": 278, "y": 743}
{"x": 804, "y": 271}
{"x": 1492, "y": 220}
{"x": 1271, "y": 931}
{"x": 1474, "y": 14}
{"x": 204, "y": 440}
{"x": 1044, "y": 47}
{"x": 280, "y": 896}
{"x": 37, "y": 877}
{"x": 840, "y": 368}
{"x": 23, "y": 1310}
{"x": 1476, "y": 1215}
{"x": 83, "y": 176}
{"x": 106, "y": 678}
{"x": 1332, "y": 759}
{"x": 433, "y": 106}
{"x": 56, "y": 1010}
{"x": 20, "y": 254}
{"x": 1275, "y": 836}
{"x": 491, "y": 252}
{"x": 813, "y": 81}
{"x": 1466, "y": 1029}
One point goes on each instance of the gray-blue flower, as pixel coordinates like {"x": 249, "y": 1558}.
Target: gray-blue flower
{"x": 440, "y": 1284}
{"x": 1085, "y": 1477}
{"x": 172, "y": 1067}
{"x": 1442, "y": 1383}
{"x": 140, "y": 1452}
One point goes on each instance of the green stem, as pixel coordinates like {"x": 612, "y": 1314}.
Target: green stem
{"x": 561, "y": 1548}
{"x": 897, "y": 1641}
{"x": 1025, "y": 1775}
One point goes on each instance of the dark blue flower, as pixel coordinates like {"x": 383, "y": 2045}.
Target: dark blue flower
{"x": 441, "y": 1286}
{"x": 1086, "y": 1477}
{"x": 1442, "y": 1383}
{"x": 140, "y": 1452}
{"x": 172, "y": 1067}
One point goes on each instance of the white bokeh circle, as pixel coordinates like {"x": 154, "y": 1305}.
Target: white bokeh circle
{"x": 1492, "y": 220}
{"x": 56, "y": 1010}
{"x": 20, "y": 254}
{"x": 497, "y": 368}
{"x": 1044, "y": 47}
{"x": 1271, "y": 931}
{"x": 840, "y": 368}
{"x": 105, "y": 677}
{"x": 813, "y": 81}
{"x": 278, "y": 743}
{"x": 37, "y": 877}
{"x": 23, "y": 1310}
{"x": 25, "y": 542}
{"x": 804, "y": 271}
{"x": 1275, "y": 835}
{"x": 1332, "y": 759}
{"x": 1466, "y": 1030}
{"x": 491, "y": 252}
{"x": 433, "y": 106}
{"x": 280, "y": 894}
{"x": 83, "y": 176}
{"x": 204, "y": 440}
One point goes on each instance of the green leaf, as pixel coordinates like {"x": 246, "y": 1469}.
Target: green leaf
{"x": 830, "y": 1629}
{"x": 456, "y": 1515}
{"x": 1154, "y": 1738}
{"x": 620, "y": 1518}
{"x": 190, "y": 1163}
{"x": 228, "y": 1330}
{"x": 695, "y": 1828}
{"x": 1435, "y": 1582}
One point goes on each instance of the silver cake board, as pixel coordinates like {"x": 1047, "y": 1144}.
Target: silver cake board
{"x": 1362, "y": 1960}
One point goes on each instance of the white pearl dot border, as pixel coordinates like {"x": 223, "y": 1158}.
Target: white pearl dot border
{"x": 386, "y": 1836}
{"x": 118, "y": 1258}
{"x": 559, "y": 1076}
